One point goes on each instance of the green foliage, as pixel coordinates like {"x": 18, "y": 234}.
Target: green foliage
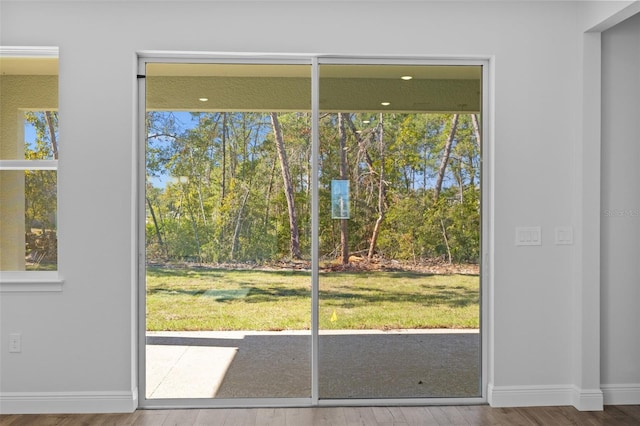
{"x": 40, "y": 190}
{"x": 221, "y": 197}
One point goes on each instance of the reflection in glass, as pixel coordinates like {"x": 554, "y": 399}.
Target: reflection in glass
{"x": 339, "y": 199}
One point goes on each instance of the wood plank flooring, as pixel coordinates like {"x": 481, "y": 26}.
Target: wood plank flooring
{"x": 613, "y": 415}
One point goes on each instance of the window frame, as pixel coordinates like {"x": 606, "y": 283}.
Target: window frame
{"x": 316, "y": 60}
{"x": 31, "y": 281}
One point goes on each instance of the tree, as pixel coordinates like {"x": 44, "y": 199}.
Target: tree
{"x": 40, "y": 185}
{"x": 344, "y": 237}
{"x": 288, "y": 187}
{"x": 414, "y": 184}
{"x": 156, "y": 223}
{"x": 381, "y": 190}
{"x": 445, "y": 157}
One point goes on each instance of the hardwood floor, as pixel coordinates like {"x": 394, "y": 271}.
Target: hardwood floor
{"x": 613, "y": 415}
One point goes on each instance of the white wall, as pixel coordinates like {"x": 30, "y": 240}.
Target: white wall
{"x": 78, "y": 343}
{"x": 620, "y": 276}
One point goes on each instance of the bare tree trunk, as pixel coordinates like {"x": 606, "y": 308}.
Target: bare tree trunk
{"x": 446, "y": 240}
{"x": 269, "y": 188}
{"x": 381, "y": 194}
{"x": 156, "y": 226}
{"x": 476, "y": 129}
{"x": 52, "y": 133}
{"x": 361, "y": 143}
{"x": 445, "y": 157}
{"x": 194, "y": 225}
{"x": 198, "y": 189}
{"x": 457, "y": 171}
{"x": 344, "y": 239}
{"x": 472, "y": 173}
{"x": 288, "y": 187}
{"x": 224, "y": 157}
{"x": 236, "y": 231}
{"x": 201, "y": 202}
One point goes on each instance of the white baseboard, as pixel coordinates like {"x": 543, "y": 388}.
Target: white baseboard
{"x": 623, "y": 394}
{"x": 529, "y": 396}
{"x": 68, "y": 402}
{"x": 540, "y": 396}
{"x": 588, "y": 399}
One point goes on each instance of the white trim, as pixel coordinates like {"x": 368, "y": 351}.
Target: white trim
{"x": 621, "y": 394}
{"x": 404, "y": 402}
{"x": 29, "y": 51}
{"x": 530, "y": 396}
{"x": 487, "y": 214}
{"x": 541, "y": 396}
{"x": 30, "y": 281}
{"x": 135, "y": 221}
{"x": 28, "y": 164}
{"x": 588, "y": 399}
{"x": 186, "y": 403}
{"x": 139, "y": 213}
{"x": 315, "y": 60}
{"x": 585, "y": 351}
{"x": 185, "y": 57}
{"x": 471, "y": 60}
{"x": 68, "y": 402}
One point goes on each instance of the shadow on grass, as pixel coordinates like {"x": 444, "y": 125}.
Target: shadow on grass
{"x": 425, "y": 294}
{"x": 174, "y": 291}
{"x": 183, "y": 273}
{"x": 458, "y": 299}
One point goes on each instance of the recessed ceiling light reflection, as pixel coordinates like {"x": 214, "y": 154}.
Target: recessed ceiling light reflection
{"x": 366, "y": 121}
{"x": 203, "y": 99}
{"x": 406, "y": 77}
{"x": 385, "y": 103}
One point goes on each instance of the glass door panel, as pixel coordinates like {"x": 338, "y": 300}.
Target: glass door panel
{"x": 228, "y": 287}
{"x": 399, "y": 214}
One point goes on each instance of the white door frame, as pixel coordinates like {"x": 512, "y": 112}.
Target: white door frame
{"x": 487, "y": 221}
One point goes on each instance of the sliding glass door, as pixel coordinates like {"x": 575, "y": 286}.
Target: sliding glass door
{"x": 399, "y": 231}
{"x": 310, "y": 230}
{"x": 228, "y": 287}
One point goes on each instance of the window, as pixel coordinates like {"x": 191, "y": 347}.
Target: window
{"x": 29, "y": 144}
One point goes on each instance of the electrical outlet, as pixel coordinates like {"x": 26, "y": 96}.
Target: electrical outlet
{"x": 15, "y": 342}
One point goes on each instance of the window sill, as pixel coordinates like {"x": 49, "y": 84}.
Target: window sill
{"x": 29, "y": 282}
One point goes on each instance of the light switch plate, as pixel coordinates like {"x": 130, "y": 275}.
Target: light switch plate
{"x": 15, "y": 342}
{"x": 564, "y": 235}
{"x": 528, "y": 236}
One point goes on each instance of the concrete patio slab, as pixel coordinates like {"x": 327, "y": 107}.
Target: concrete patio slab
{"x": 352, "y": 364}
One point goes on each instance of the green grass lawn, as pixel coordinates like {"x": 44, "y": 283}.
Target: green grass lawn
{"x": 217, "y": 299}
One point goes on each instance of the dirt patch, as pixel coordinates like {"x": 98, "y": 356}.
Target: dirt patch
{"x": 356, "y": 264}
{"x": 431, "y": 266}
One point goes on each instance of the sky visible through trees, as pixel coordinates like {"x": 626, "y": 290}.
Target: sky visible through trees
{"x": 220, "y": 190}
{"x": 40, "y": 189}
{"x": 216, "y": 187}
